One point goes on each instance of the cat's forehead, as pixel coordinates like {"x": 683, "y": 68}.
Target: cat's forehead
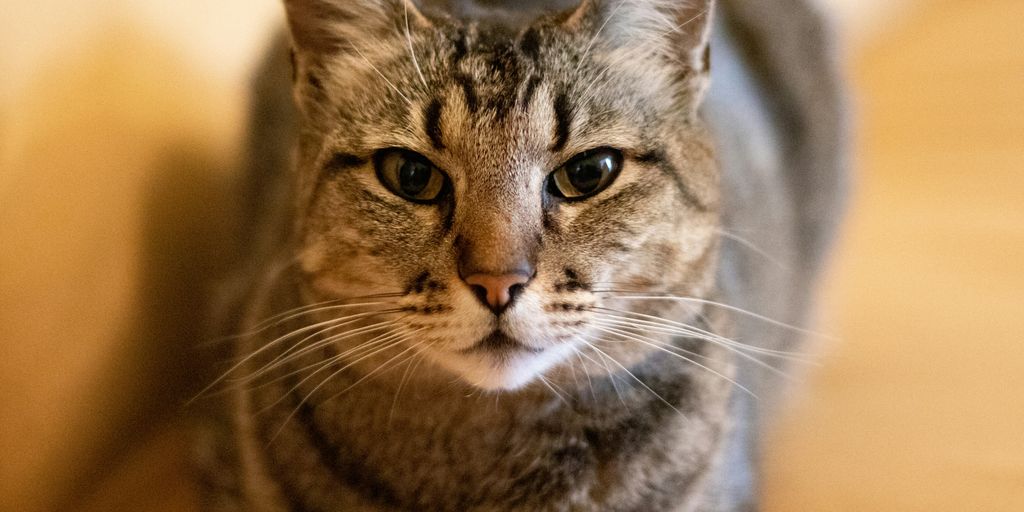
{"x": 507, "y": 98}
{"x": 493, "y": 82}
{"x": 476, "y": 95}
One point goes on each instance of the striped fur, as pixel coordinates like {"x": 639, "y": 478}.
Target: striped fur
{"x": 444, "y": 415}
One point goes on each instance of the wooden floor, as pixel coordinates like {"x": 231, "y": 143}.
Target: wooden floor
{"x": 919, "y": 407}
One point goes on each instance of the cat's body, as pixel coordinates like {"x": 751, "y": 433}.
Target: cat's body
{"x": 668, "y": 434}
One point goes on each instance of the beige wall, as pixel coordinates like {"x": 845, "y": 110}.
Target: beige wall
{"x": 118, "y": 125}
{"x": 118, "y": 130}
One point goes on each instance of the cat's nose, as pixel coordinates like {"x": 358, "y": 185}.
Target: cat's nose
{"x": 497, "y": 291}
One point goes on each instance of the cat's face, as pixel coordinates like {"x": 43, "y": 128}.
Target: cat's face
{"x": 502, "y": 182}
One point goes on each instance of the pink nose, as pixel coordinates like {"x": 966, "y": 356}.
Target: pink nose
{"x": 496, "y": 292}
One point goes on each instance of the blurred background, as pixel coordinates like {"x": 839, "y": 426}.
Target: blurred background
{"x": 120, "y": 124}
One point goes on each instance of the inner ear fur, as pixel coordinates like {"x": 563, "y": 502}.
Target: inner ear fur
{"x": 682, "y": 26}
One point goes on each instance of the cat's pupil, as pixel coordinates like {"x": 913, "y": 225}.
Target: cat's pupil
{"x": 413, "y": 176}
{"x": 587, "y": 174}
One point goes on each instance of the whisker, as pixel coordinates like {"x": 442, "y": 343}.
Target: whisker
{"x": 325, "y": 381}
{"x": 293, "y": 313}
{"x": 755, "y": 249}
{"x": 575, "y": 378}
{"x": 237, "y": 365}
{"x": 586, "y": 373}
{"x": 313, "y": 308}
{"x": 724, "y": 342}
{"x": 322, "y": 365}
{"x": 549, "y": 386}
{"x": 413, "y": 364}
{"x": 412, "y": 53}
{"x": 590, "y": 44}
{"x": 604, "y": 319}
{"x": 379, "y": 368}
{"x": 695, "y": 300}
{"x": 661, "y": 346}
{"x": 608, "y": 369}
{"x": 330, "y": 340}
{"x": 683, "y": 329}
{"x": 642, "y": 383}
{"x": 351, "y": 319}
{"x": 672, "y": 327}
{"x": 374, "y": 68}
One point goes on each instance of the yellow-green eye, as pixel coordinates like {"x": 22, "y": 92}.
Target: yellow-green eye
{"x": 410, "y": 175}
{"x": 585, "y": 174}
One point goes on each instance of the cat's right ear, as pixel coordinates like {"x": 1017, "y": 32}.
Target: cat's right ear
{"x": 328, "y": 27}
{"x": 670, "y": 33}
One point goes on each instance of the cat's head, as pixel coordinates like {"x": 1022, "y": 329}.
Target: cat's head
{"x": 502, "y": 181}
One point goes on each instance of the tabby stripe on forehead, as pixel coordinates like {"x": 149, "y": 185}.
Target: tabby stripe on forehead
{"x": 432, "y": 123}
{"x": 531, "y": 88}
{"x": 563, "y": 121}
{"x": 529, "y": 44}
{"x": 459, "y": 48}
{"x": 469, "y": 91}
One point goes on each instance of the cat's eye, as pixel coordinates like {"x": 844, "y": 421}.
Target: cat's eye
{"x": 585, "y": 174}
{"x": 410, "y": 175}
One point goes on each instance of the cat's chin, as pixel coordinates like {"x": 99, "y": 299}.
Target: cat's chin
{"x": 502, "y": 371}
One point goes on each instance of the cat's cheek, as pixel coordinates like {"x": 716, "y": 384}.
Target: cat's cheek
{"x": 312, "y": 258}
{"x": 342, "y": 265}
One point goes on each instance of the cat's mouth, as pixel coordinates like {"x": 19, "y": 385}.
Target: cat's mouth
{"x": 497, "y": 342}
{"x": 499, "y": 361}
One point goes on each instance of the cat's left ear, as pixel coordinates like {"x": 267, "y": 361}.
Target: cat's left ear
{"x": 325, "y": 27}
{"x": 678, "y": 30}
{"x": 322, "y": 30}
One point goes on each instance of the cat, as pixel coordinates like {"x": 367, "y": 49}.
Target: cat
{"x": 522, "y": 256}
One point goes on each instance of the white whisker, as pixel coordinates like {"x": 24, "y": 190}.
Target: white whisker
{"x": 722, "y": 341}
{"x": 386, "y": 339}
{"x": 550, "y": 386}
{"x": 412, "y": 53}
{"x": 695, "y": 300}
{"x": 590, "y": 44}
{"x": 330, "y": 340}
{"x": 413, "y": 364}
{"x": 586, "y": 373}
{"x": 661, "y": 346}
{"x": 755, "y": 249}
{"x": 608, "y": 369}
{"x": 642, "y": 383}
{"x": 379, "y": 368}
{"x": 374, "y": 68}
{"x": 327, "y": 379}
{"x": 678, "y": 328}
{"x": 317, "y": 327}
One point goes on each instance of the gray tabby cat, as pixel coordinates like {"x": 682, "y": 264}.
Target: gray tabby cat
{"x": 501, "y": 253}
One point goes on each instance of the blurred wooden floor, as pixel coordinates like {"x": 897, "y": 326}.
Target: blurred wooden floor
{"x": 921, "y": 406}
